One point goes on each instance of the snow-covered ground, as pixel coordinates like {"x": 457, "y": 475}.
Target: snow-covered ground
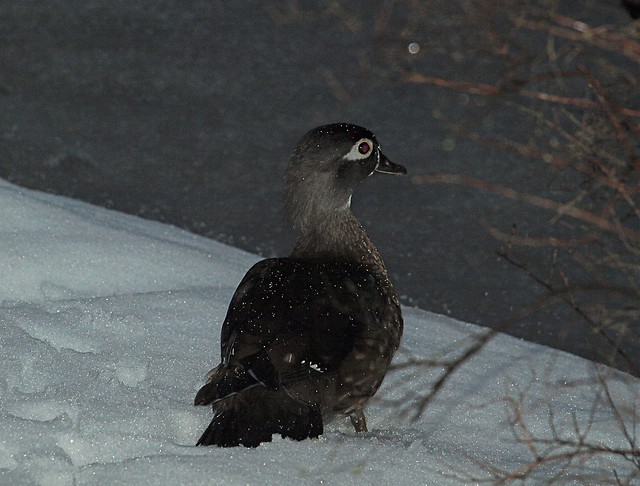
{"x": 108, "y": 324}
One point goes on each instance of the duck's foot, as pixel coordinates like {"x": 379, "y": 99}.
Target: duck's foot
{"x": 358, "y": 421}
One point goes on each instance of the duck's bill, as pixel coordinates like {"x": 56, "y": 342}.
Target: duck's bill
{"x": 385, "y": 166}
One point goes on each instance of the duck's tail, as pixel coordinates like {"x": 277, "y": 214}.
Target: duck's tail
{"x": 254, "y": 415}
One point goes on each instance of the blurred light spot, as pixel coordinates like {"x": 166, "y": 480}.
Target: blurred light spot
{"x": 463, "y": 99}
{"x": 448, "y": 144}
{"x": 414, "y": 48}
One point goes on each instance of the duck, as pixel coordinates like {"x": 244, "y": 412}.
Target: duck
{"x": 309, "y": 337}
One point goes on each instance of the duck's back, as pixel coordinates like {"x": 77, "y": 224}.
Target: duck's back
{"x": 329, "y": 329}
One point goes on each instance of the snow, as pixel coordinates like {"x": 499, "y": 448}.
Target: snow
{"x": 109, "y": 324}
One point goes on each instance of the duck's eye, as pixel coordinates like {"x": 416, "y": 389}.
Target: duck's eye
{"x": 360, "y": 150}
{"x": 364, "y": 147}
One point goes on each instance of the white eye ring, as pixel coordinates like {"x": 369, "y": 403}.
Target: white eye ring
{"x": 362, "y": 149}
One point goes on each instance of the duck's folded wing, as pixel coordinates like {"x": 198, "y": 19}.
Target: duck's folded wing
{"x": 305, "y": 316}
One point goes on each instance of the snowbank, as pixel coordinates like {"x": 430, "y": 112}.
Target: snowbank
{"x": 108, "y": 324}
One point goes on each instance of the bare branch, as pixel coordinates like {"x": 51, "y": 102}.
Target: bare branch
{"x": 559, "y": 208}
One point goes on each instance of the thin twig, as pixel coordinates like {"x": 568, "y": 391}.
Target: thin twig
{"x": 541, "y": 202}
{"x": 567, "y": 295}
{"x": 489, "y": 89}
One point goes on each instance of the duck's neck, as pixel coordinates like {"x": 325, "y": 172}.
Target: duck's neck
{"x": 337, "y": 236}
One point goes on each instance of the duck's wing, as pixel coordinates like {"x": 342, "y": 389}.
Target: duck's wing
{"x": 290, "y": 319}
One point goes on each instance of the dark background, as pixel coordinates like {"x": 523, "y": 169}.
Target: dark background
{"x": 185, "y": 112}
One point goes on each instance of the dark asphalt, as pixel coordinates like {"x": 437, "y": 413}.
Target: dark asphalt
{"x": 186, "y": 113}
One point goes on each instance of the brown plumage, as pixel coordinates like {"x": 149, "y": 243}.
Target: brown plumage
{"x": 313, "y": 334}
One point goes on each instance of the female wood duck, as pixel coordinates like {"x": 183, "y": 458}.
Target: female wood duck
{"x": 310, "y": 335}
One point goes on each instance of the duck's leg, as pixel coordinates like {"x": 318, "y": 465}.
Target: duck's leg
{"x": 358, "y": 421}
